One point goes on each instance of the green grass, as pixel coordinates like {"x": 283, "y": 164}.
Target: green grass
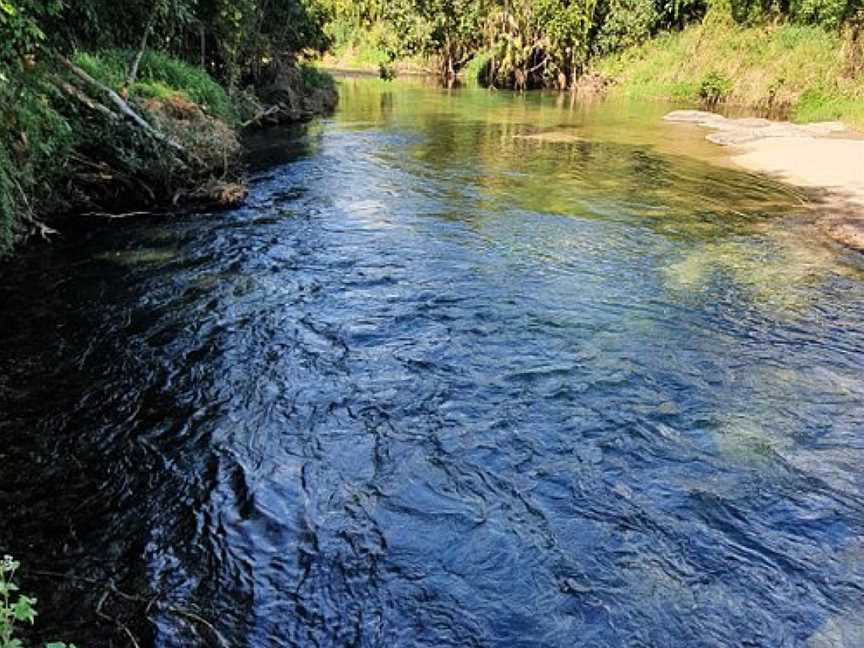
{"x": 799, "y": 70}
{"x": 474, "y": 68}
{"x": 159, "y": 76}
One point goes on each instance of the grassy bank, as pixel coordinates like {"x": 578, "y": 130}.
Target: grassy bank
{"x": 802, "y": 72}
{"x": 68, "y": 146}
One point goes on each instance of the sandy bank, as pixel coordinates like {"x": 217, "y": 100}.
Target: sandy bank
{"x": 825, "y": 158}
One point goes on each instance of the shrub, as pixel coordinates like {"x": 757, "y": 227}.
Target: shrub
{"x": 625, "y": 23}
{"x": 477, "y": 68}
{"x": 714, "y": 88}
{"x": 315, "y": 78}
{"x": 15, "y": 608}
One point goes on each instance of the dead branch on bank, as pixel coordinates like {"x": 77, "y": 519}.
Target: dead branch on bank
{"x": 121, "y": 105}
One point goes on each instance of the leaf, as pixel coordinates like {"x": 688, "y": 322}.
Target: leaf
{"x": 23, "y": 609}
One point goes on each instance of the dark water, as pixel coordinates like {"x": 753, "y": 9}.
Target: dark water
{"x": 440, "y": 384}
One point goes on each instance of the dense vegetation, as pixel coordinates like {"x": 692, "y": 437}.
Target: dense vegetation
{"x": 804, "y": 72}
{"x": 533, "y": 43}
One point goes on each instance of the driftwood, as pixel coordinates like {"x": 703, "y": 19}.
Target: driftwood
{"x": 70, "y": 90}
{"x": 124, "y": 108}
{"x": 28, "y": 215}
{"x": 267, "y": 112}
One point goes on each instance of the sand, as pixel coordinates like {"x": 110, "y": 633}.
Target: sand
{"x": 825, "y": 158}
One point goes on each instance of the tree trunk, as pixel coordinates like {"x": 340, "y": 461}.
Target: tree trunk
{"x": 136, "y": 63}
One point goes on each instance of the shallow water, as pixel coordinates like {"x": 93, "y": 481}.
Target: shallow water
{"x": 443, "y": 382}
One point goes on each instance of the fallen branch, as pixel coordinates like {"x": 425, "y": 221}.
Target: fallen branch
{"x": 122, "y": 626}
{"x": 29, "y": 216}
{"x": 272, "y": 110}
{"x": 124, "y": 215}
{"x": 76, "y": 94}
{"x": 194, "y": 617}
{"x": 122, "y": 105}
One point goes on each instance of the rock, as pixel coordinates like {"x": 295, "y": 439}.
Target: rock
{"x": 749, "y": 129}
{"x": 692, "y": 116}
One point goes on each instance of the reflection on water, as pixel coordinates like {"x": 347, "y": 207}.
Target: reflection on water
{"x": 470, "y": 369}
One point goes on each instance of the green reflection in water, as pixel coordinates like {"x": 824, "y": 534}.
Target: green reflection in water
{"x": 608, "y": 162}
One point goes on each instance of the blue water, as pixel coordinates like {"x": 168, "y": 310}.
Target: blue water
{"x": 440, "y": 384}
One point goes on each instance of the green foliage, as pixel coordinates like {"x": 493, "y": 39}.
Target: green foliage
{"x": 714, "y": 87}
{"x": 195, "y": 83}
{"x": 476, "y": 69}
{"x": 159, "y": 76}
{"x": 829, "y": 14}
{"x": 20, "y": 29}
{"x": 529, "y": 42}
{"x": 625, "y": 23}
{"x": 15, "y": 608}
{"x": 818, "y": 104}
{"x": 315, "y": 78}
{"x": 792, "y": 70}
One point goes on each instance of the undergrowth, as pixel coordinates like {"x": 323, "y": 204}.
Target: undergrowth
{"x": 804, "y": 72}
{"x": 159, "y": 76}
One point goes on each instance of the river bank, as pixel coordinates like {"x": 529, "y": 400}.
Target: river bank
{"x": 804, "y": 73}
{"x": 85, "y": 137}
{"x": 825, "y": 158}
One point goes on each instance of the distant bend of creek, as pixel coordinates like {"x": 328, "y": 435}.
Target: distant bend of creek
{"x": 469, "y": 369}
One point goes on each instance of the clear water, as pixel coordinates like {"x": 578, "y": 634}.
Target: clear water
{"x": 469, "y": 369}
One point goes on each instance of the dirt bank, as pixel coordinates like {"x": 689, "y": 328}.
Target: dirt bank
{"x": 825, "y": 158}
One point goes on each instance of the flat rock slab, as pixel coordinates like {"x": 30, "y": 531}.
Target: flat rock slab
{"x": 748, "y": 129}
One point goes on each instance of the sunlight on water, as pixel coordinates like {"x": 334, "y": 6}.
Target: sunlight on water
{"x": 469, "y": 369}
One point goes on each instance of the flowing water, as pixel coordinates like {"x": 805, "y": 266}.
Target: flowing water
{"x": 469, "y": 369}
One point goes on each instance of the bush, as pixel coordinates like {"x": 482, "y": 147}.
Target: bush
{"x": 714, "y": 88}
{"x": 477, "y": 69}
{"x": 625, "y": 23}
{"x": 15, "y": 608}
{"x": 315, "y": 78}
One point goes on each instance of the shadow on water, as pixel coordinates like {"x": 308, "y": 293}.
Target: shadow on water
{"x": 469, "y": 369}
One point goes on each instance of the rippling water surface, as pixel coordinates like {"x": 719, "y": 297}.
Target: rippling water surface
{"x": 469, "y": 369}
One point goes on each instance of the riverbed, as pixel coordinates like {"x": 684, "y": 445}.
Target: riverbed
{"x": 469, "y": 368}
